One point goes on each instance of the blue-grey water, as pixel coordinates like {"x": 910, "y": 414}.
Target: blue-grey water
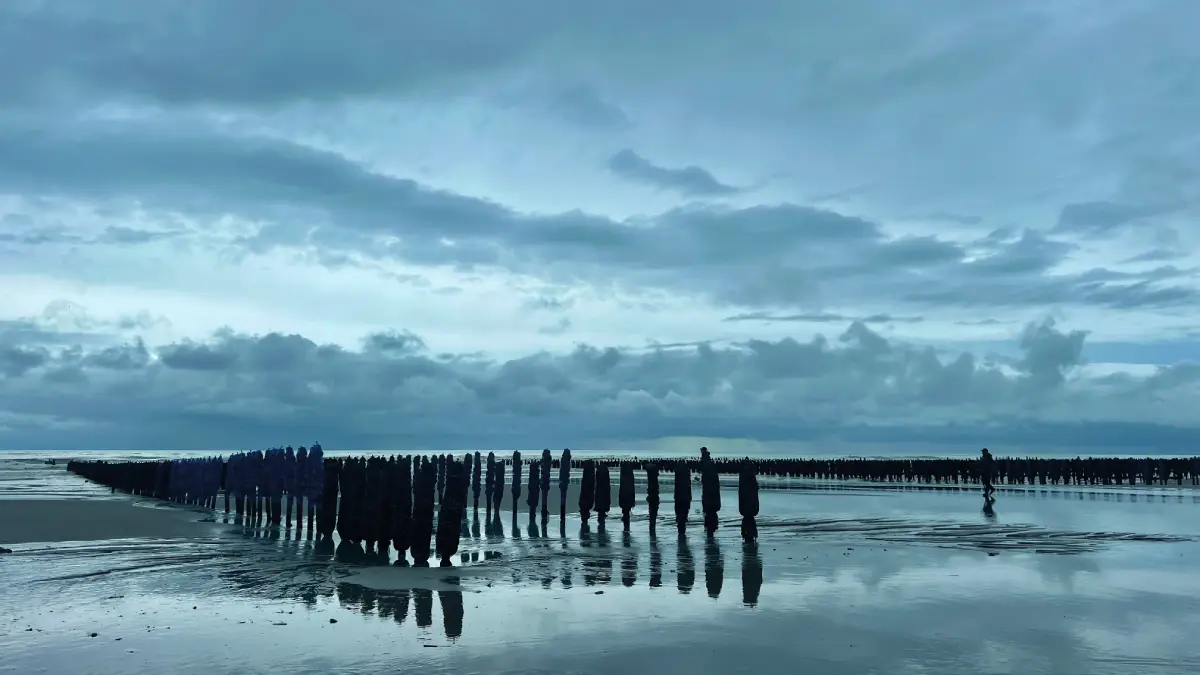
{"x": 845, "y": 579}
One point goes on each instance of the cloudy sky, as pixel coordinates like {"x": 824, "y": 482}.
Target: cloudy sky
{"x": 790, "y": 224}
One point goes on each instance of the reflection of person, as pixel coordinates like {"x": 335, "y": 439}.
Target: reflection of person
{"x": 987, "y": 469}
{"x": 989, "y": 513}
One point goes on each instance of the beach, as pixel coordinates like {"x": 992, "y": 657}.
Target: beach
{"x": 844, "y": 579}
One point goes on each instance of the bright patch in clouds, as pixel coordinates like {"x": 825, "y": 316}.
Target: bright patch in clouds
{"x": 461, "y": 225}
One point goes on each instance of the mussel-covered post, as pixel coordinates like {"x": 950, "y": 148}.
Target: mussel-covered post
{"x": 587, "y": 490}
{"x": 422, "y": 522}
{"x": 564, "y": 482}
{"x": 490, "y": 481}
{"x": 683, "y": 495}
{"x": 603, "y": 494}
{"x": 547, "y": 465}
{"x": 748, "y": 501}
{"x": 516, "y": 479}
{"x": 534, "y": 487}
{"x": 453, "y": 508}
{"x": 476, "y": 472}
{"x": 626, "y": 494}
{"x": 710, "y": 492}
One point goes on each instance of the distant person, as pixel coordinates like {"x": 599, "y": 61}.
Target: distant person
{"x": 987, "y": 472}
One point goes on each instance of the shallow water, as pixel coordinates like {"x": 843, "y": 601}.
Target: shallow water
{"x": 843, "y": 580}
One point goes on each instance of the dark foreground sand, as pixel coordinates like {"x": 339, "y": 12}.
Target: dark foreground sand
{"x": 25, "y": 521}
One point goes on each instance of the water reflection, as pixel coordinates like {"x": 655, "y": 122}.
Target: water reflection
{"x": 685, "y": 575}
{"x": 629, "y": 563}
{"x": 714, "y": 568}
{"x": 452, "y": 613}
{"x": 423, "y": 598}
{"x": 752, "y": 574}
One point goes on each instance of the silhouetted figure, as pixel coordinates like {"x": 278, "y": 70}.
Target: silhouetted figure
{"x": 587, "y": 490}
{"x": 534, "y": 489}
{"x": 752, "y": 574}
{"x": 625, "y": 494}
{"x": 452, "y": 613}
{"x": 710, "y": 492}
{"x": 516, "y": 480}
{"x": 402, "y": 510}
{"x": 453, "y": 508}
{"x": 422, "y": 523}
{"x": 714, "y": 568}
{"x": 683, "y": 495}
{"x": 477, "y": 470}
{"x": 685, "y": 575}
{"x": 987, "y": 473}
{"x": 748, "y": 501}
{"x": 547, "y": 466}
{"x": 564, "y": 482}
{"x": 652, "y": 498}
{"x": 603, "y": 495}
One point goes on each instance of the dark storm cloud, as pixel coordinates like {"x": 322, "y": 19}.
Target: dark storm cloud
{"x": 688, "y": 180}
{"x": 230, "y": 51}
{"x": 235, "y": 390}
{"x": 582, "y": 106}
{"x": 777, "y": 255}
{"x": 1103, "y": 217}
{"x": 820, "y": 317}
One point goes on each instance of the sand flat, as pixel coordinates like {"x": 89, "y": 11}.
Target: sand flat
{"x": 25, "y": 521}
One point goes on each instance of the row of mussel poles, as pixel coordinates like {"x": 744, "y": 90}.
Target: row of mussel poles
{"x": 417, "y": 504}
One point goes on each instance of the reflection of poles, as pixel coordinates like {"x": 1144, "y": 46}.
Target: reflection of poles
{"x": 452, "y": 613}
{"x": 752, "y": 574}
{"x": 685, "y": 577}
{"x": 714, "y": 568}
{"x": 748, "y": 501}
{"x": 629, "y": 562}
{"x": 423, "y": 597}
{"x": 655, "y": 563}
{"x": 625, "y": 494}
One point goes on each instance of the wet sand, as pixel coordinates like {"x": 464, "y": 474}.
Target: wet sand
{"x": 25, "y": 521}
{"x": 842, "y": 581}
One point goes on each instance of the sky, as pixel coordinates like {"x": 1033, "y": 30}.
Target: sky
{"x": 783, "y": 224}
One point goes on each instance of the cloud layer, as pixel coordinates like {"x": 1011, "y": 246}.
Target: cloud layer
{"x": 600, "y": 222}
